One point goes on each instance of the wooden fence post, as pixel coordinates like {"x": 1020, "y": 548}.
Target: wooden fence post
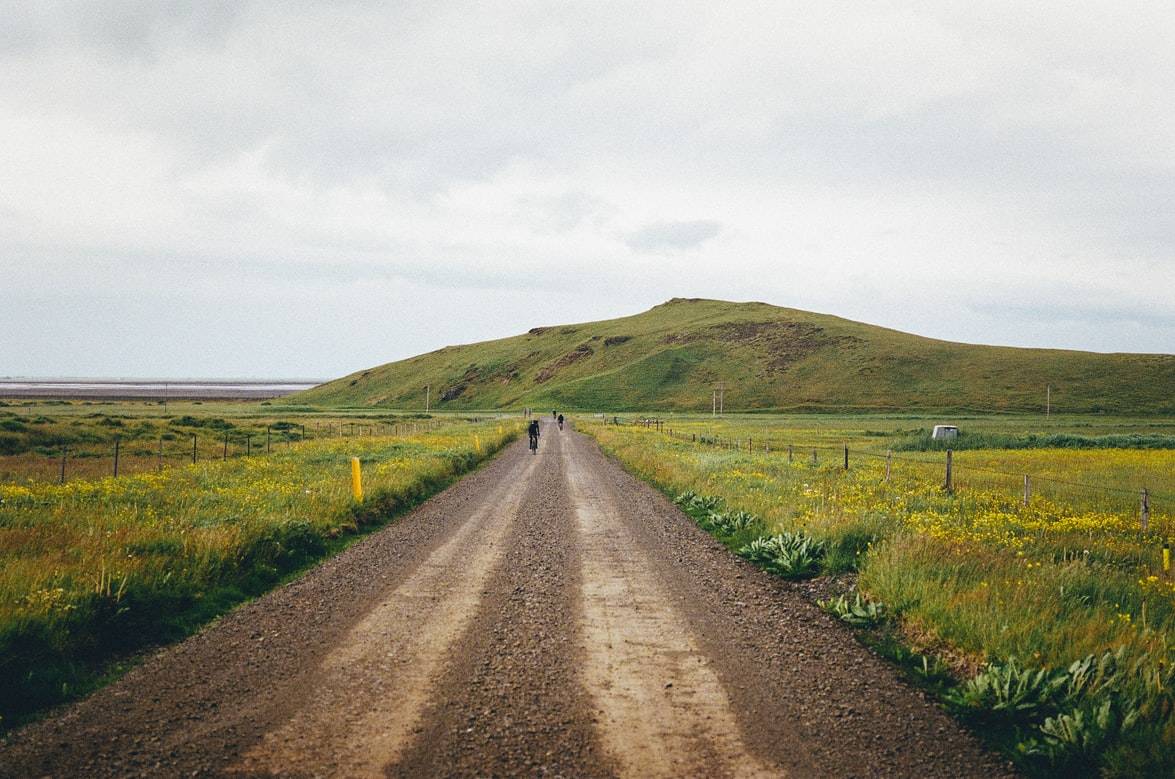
{"x": 790, "y": 453}
{"x": 846, "y": 457}
{"x": 1027, "y": 489}
{"x": 949, "y": 486}
{"x": 225, "y": 455}
{"x": 193, "y": 450}
{"x": 1145, "y": 509}
{"x": 116, "y": 456}
{"x": 268, "y": 438}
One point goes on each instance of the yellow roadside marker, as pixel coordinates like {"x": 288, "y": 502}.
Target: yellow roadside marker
{"x": 356, "y": 480}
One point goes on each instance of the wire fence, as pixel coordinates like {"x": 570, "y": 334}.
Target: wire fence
{"x": 124, "y": 456}
{"x": 1155, "y": 511}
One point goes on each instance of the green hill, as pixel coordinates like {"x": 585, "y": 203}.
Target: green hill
{"x": 671, "y": 356}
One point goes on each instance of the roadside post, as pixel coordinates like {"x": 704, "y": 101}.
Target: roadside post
{"x": 949, "y": 486}
{"x": 356, "y": 480}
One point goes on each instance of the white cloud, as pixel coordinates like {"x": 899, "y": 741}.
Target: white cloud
{"x": 505, "y": 155}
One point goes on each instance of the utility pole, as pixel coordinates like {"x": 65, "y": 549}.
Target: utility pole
{"x": 427, "y": 392}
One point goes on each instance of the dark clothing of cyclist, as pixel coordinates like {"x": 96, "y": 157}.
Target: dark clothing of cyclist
{"x": 560, "y": 421}
{"x": 533, "y": 432}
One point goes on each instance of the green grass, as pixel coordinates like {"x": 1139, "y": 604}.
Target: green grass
{"x": 770, "y": 358}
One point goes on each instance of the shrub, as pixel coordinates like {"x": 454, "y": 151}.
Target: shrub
{"x": 791, "y": 555}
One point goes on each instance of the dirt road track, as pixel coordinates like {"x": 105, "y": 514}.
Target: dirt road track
{"x": 547, "y": 616}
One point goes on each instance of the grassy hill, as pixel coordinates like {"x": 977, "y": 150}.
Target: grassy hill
{"x": 671, "y": 356}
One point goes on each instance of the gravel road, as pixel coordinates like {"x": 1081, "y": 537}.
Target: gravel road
{"x": 548, "y": 615}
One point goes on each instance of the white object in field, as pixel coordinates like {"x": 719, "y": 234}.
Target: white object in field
{"x": 945, "y": 431}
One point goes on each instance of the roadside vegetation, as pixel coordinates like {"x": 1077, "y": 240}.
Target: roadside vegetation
{"x": 1048, "y": 626}
{"x": 94, "y": 570}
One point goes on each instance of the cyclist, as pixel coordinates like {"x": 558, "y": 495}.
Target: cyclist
{"x": 560, "y": 421}
{"x": 533, "y": 432}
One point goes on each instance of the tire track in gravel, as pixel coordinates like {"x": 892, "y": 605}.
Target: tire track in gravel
{"x": 370, "y": 691}
{"x": 510, "y": 702}
{"x": 662, "y": 710}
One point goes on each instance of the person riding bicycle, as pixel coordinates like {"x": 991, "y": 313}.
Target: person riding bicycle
{"x": 560, "y": 421}
{"x": 533, "y": 432}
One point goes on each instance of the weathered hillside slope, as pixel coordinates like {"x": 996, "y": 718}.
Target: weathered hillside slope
{"x": 770, "y": 358}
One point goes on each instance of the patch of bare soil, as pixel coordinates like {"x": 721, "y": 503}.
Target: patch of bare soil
{"x": 575, "y": 355}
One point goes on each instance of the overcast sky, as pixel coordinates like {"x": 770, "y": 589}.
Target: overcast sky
{"x": 305, "y": 189}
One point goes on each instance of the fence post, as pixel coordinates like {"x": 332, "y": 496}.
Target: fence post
{"x": 116, "y": 456}
{"x": 790, "y": 452}
{"x": 193, "y": 450}
{"x": 356, "y": 480}
{"x": 1146, "y": 509}
{"x": 949, "y": 486}
{"x": 248, "y": 445}
{"x": 846, "y": 457}
{"x": 225, "y": 455}
{"x": 1027, "y": 489}
{"x": 303, "y": 437}
{"x": 888, "y": 462}
{"x": 64, "y": 449}
{"x": 159, "y": 457}
{"x": 268, "y": 438}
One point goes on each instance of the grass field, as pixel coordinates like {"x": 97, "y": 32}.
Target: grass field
{"x": 92, "y": 570}
{"x": 152, "y": 435}
{"x": 1047, "y": 625}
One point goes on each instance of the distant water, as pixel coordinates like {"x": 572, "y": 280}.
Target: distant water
{"x": 151, "y": 388}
